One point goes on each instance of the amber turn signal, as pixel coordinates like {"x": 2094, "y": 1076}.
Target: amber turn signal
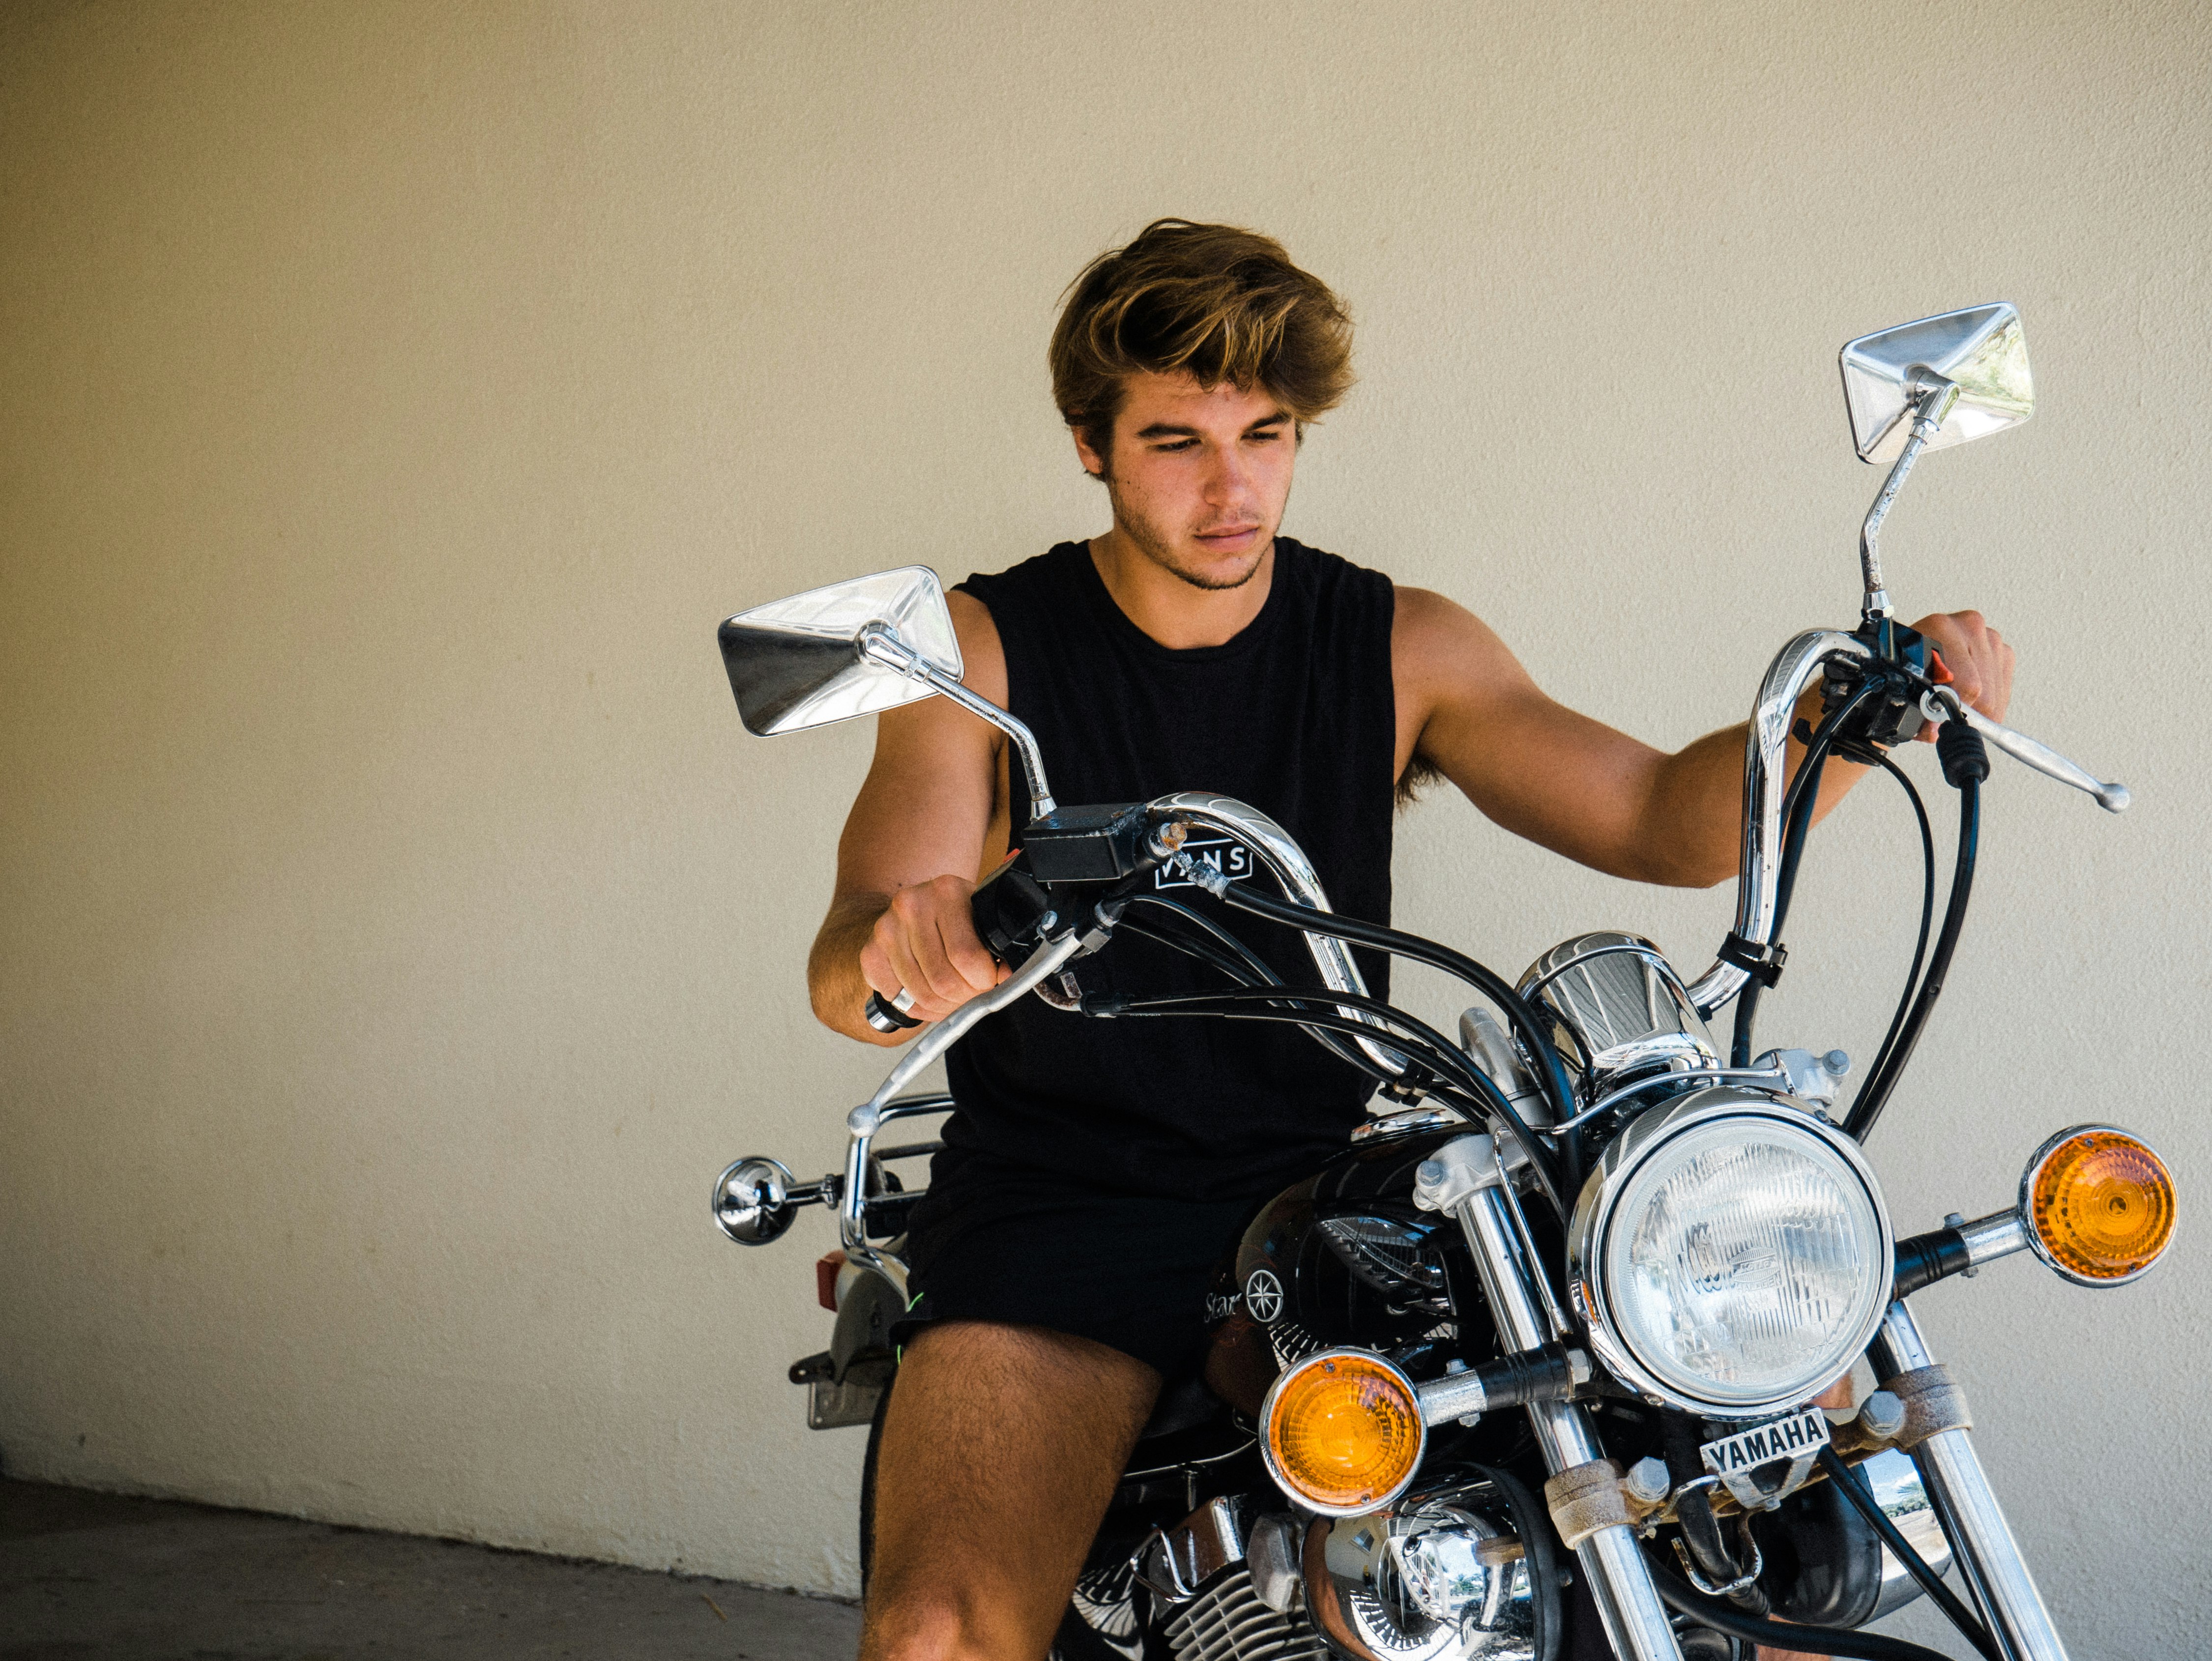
{"x": 1342, "y": 1433}
{"x": 2098, "y": 1204}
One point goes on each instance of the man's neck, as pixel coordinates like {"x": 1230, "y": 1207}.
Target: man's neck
{"x": 1173, "y": 612}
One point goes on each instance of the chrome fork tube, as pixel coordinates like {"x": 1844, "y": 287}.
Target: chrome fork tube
{"x": 1612, "y": 1562}
{"x": 1980, "y": 1538}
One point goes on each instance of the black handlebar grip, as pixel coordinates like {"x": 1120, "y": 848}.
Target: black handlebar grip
{"x": 884, "y": 1018}
{"x": 1959, "y": 748}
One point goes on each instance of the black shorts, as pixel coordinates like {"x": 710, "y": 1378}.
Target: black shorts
{"x": 1130, "y": 1272}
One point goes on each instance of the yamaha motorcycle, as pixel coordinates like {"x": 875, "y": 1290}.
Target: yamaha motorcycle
{"x": 1548, "y": 1331}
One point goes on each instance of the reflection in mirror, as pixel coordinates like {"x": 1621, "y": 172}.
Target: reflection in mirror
{"x": 796, "y": 663}
{"x": 1981, "y": 347}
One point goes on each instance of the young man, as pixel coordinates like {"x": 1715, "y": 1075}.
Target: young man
{"x": 1095, "y": 1170}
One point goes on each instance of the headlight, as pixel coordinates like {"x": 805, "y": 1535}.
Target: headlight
{"x": 1732, "y": 1255}
{"x": 1341, "y": 1433}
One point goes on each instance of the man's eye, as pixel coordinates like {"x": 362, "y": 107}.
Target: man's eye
{"x": 1177, "y": 444}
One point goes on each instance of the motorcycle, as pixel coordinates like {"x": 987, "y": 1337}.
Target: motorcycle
{"x": 1549, "y": 1329}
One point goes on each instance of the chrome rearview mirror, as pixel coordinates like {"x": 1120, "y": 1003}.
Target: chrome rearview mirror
{"x": 800, "y": 662}
{"x": 858, "y": 648}
{"x": 1981, "y": 350}
{"x": 1925, "y": 385}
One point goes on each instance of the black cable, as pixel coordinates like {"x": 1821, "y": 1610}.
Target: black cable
{"x": 1873, "y": 1095}
{"x": 1235, "y": 972}
{"x": 1676, "y": 1594}
{"x": 1552, "y": 1076}
{"x": 1252, "y": 960}
{"x": 1241, "y": 975}
{"x": 1927, "y": 914}
{"x": 1540, "y": 1542}
{"x": 1426, "y": 1045}
{"x": 1854, "y": 1489}
{"x": 1797, "y": 819}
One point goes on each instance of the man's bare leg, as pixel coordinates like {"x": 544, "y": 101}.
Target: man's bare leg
{"x": 1001, "y": 1448}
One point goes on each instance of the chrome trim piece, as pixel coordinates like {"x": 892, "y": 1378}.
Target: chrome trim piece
{"x": 1774, "y": 1078}
{"x": 2025, "y": 1213}
{"x": 1175, "y": 1562}
{"x": 1366, "y": 1594}
{"x": 1287, "y": 863}
{"x": 1455, "y": 1396}
{"x": 1625, "y": 1005}
{"x": 1975, "y": 1524}
{"x": 1629, "y": 1153}
{"x": 861, "y": 1125}
{"x": 2000, "y": 1235}
{"x": 1407, "y": 1123}
{"x": 1766, "y": 749}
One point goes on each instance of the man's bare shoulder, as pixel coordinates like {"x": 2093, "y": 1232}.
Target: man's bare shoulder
{"x": 1440, "y": 649}
{"x": 983, "y": 659}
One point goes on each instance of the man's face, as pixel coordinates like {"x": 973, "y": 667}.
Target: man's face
{"x": 1198, "y": 477}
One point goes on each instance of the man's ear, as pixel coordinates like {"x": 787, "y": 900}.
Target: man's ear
{"x": 1093, "y": 461}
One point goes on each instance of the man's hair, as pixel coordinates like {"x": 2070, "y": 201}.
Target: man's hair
{"x": 1222, "y": 303}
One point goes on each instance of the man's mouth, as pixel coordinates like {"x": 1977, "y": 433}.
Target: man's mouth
{"x": 1224, "y": 537}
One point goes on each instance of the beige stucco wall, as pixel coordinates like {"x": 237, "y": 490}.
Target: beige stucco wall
{"x": 399, "y": 931}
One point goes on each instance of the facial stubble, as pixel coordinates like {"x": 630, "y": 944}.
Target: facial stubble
{"x": 1157, "y": 548}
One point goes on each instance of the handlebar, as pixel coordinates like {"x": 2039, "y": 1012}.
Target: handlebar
{"x": 887, "y": 1017}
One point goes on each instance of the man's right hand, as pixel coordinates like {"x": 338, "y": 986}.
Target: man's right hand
{"x": 925, "y": 944}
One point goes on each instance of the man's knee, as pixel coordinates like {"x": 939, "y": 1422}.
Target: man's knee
{"x": 940, "y": 1622}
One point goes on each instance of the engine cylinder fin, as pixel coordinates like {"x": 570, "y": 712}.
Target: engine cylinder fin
{"x": 1228, "y": 1622}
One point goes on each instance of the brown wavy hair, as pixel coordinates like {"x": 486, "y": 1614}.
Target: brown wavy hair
{"x": 1223, "y": 303}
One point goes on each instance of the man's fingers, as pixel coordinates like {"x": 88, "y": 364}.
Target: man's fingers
{"x": 965, "y": 952}
{"x": 906, "y": 976}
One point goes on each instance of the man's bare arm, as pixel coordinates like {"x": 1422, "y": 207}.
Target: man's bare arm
{"x": 917, "y": 841}
{"x": 1578, "y": 786}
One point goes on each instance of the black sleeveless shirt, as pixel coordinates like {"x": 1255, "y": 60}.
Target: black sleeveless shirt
{"x": 1296, "y": 716}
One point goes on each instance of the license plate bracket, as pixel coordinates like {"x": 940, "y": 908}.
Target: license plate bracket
{"x": 1737, "y": 1458}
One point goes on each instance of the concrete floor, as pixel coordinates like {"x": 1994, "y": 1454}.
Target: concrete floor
{"x": 89, "y": 1576}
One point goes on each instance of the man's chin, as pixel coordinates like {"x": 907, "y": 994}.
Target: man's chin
{"x": 1216, "y": 572}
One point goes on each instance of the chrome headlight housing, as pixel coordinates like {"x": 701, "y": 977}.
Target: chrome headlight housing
{"x": 1731, "y": 1254}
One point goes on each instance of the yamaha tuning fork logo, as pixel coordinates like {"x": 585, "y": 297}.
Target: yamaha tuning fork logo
{"x": 1263, "y": 1296}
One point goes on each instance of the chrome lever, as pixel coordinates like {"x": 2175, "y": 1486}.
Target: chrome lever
{"x": 1941, "y": 705}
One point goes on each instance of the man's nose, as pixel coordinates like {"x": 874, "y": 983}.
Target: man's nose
{"x": 1229, "y": 481}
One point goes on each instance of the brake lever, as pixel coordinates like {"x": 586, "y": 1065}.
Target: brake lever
{"x": 1940, "y": 703}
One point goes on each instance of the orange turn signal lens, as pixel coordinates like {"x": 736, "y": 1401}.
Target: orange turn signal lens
{"x": 1343, "y": 1432}
{"x": 2099, "y": 1203}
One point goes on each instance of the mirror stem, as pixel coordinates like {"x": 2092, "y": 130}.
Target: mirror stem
{"x": 880, "y": 645}
{"x": 1934, "y": 394}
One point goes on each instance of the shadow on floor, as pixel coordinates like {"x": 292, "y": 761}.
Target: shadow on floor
{"x": 85, "y": 1577}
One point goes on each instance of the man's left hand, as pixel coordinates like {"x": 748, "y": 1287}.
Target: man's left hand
{"x": 1979, "y": 661}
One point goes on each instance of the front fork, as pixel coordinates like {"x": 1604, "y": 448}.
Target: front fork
{"x": 1981, "y": 1540}
{"x": 1612, "y": 1562}
{"x": 1636, "y": 1621}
